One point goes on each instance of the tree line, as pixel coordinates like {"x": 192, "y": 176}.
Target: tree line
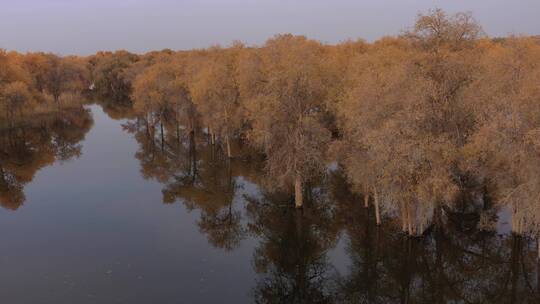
{"x": 437, "y": 118}
{"x": 35, "y": 84}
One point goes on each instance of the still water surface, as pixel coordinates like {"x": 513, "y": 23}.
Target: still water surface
{"x": 91, "y": 213}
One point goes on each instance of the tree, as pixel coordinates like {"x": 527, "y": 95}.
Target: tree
{"x": 14, "y": 87}
{"x": 162, "y": 92}
{"x": 14, "y": 97}
{"x": 375, "y": 86}
{"x": 216, "y": 94}
{"x": 38, "y": 66}
{"x": 505, "y": 151}
{"x": 405, "y": 118}
{"x": 437, "y": 31}
{"x": 67, "y": 74}
{"x": 285, "y": 108}
{"x": 109, "y": 74}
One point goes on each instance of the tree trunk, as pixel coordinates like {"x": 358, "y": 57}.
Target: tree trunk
{"x": 366, "y": 200}
{"x": 409, "y": 219}
{"x": 516, "y": 221}
{"x": 515, "y": 259}
{"x": 162, "y": 136}
{"x": 416, "y": 224}
{"x": 538, "y": 241}
{"x": 177, "y": 123}
{"x": 193, "y": 153}
{"x": 298, "y": 191}
{"x": 538, "y": 265}
{"x": 403, "y": 217}
{"x": 438, "y": 217}
{"x": 377, "y": 210}
{"x": 229, "y": 154}
{"x": 177, "y": 131}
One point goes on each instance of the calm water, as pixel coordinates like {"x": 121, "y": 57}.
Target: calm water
{"x": 93, "y": 212}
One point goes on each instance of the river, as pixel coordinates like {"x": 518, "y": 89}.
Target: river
{"x": 94, "y": 214}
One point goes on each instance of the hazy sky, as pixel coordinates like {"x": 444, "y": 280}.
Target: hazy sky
{"x": 85, "y": 26}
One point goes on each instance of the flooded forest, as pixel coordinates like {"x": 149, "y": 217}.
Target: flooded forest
{"x": 404, "y": 170}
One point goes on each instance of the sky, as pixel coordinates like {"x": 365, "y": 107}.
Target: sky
{"x": 82, "y": 27}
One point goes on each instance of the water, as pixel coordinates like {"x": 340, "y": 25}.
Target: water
{"x": 108, "y": 217}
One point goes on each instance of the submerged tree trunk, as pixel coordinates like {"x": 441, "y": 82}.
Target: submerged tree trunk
{"x": 229, "y": 154}
{"x": 437, "y": 217}
{"x": 515, "y": 261}
{"x": 162, "y": 136}
{"x": 298, "y": 191}
{"x": 366, "y": 200}
{"x": 193, "y": 155}
{"x": 177, "y": 123}
{"x": 148, "y": 127}
{"x": 516, "y": 221}
{"x": 409, "y": 219}
{"x": 538, "y": 244}
{"x": 177, "y": 132}
{"x": 212, "y": 135}
{"x": 403, "y": 217}
{"x": 538, "y": 265}
{"x": 377, "y": 209}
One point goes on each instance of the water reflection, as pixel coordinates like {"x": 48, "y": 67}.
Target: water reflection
{"x": 461, "y": 259}
{"x": 36, "y": 143}
{"x": 454, "y": 262}
{"x": 291, "y": 258}
{"x": 196, "y": 173}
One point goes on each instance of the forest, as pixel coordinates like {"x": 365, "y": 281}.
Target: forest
{"x": 436, "y": 121}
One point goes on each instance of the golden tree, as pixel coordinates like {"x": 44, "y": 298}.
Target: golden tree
{"x": 285, "y": 101}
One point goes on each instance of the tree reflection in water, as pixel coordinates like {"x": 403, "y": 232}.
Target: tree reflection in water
{"x": 196, "y": 173}
{"x": 459, "y": 259}
{"x": 291, "y": 257}
{"x": 447, "y": 265}
{"x": 36, "y": 143}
